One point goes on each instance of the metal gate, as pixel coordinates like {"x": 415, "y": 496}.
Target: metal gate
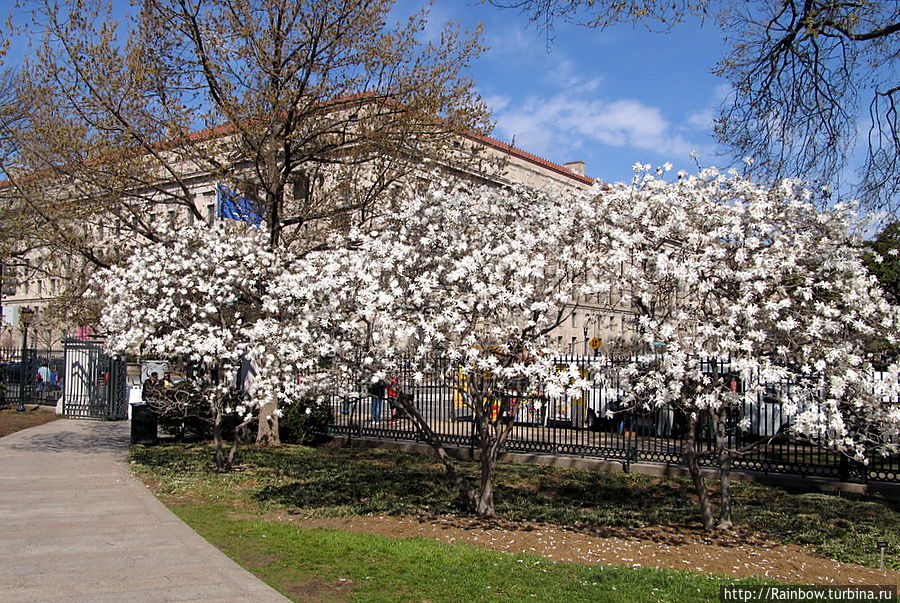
{"x": 95, "y": 384}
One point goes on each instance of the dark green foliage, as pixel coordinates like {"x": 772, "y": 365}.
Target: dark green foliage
{"x": 304, "y": 421}
{"x": 883, "y": 260}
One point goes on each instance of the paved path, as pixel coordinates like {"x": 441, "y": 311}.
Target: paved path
{"x": 75, "y": 525}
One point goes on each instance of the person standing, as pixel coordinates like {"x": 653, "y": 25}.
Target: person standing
{"x": 392, "y": 395}
{"x": 43, "y": 377}
{"x": 376, "y": 391}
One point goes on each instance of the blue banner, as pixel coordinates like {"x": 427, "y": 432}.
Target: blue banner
{"x": 232, "y": 206}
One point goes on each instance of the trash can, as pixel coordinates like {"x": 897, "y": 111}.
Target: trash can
{"x": 143, "y": 424}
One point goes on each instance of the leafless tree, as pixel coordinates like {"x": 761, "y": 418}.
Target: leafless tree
{"x": 814, "y": 82}
{"x": 311, "y": 111}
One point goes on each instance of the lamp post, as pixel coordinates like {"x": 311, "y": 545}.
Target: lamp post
{"x": 25, "y": 316}
{"x": 589, "y": 320}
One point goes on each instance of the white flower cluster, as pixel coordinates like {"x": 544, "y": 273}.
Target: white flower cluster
{"x": 712, "y": 265}
{"x": 196, "y": 297}
{"x": 475, "y": 275}
{"x": 720, "y": 269}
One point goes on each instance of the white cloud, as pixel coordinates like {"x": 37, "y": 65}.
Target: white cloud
{"x": 497, "y": 102}
{"x": 701, "y": 120}
{"x": 565, "y": 122}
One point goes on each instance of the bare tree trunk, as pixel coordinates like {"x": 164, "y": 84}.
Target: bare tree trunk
{"x": 484, "y": 506}
{"x": 221, "y": 459}
{"x": 267, "y": 432}
{"x": 725, "y": 458}
{"x": 235, "y": 440}
{"x": 465, "y": 487}
{"x": 490, "y": 443}
{"x": 692, "y": 459}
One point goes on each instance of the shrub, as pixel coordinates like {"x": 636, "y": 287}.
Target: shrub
{"x": 183, "y": 411}
{"x": 304, "y": 421}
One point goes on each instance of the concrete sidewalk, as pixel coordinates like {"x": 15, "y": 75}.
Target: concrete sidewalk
{"x": 75, "y": 525}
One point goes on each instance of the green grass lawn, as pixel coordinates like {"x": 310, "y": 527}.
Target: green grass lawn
{"x": 347, "y": 482}
{"x": 323, "y": 565}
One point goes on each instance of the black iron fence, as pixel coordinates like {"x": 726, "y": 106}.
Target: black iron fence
{"x": 79, "y": 378}
{"x": 596, "y": 424}
{"x": 32, "y": 379}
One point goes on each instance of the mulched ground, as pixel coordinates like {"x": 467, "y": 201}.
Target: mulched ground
{"x": 12, "y": 421}
{"x": 737, "y": 553}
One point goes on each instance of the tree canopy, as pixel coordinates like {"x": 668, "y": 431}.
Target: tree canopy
{"x": 309, "y": 110}
{"x": 726, "y": 281}
{"x": 305, "y": 112}
{"x": 740, "y": 291}
{"x": 813, "y": 82}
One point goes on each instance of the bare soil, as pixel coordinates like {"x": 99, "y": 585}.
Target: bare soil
{"x": 12, "y": 421}
{"x": 737, "y": 553}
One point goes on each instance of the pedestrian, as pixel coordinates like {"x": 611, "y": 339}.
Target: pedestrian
{"x": 152, "y": 388}
{"x": 376, "y": 391}
{"x": 393, "y": 395}
{"x": 43, "y": 377}
{"x": 54, "y": 378}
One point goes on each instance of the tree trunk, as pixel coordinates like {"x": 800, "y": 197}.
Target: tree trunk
{"x": 725, "y": 486}
{"x": 691, "y": 457}
{"x": 484, "y": 506}
{"x": 465, "y": 487}
{"x": 221, "y": 459}
{"x": 267, "y": 432}
{"x": 725, "y": 458}
{"x": 232, "y": 451}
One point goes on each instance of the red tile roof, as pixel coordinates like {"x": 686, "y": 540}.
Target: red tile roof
{"x": 531, "y": 158}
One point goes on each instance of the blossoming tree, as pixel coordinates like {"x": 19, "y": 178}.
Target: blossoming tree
{"x": 194, "y": 296}
{"x": 476, "y": 275}
{"x": 735, "y": 286}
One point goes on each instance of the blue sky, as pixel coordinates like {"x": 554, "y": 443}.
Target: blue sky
{"x": 610, "y": 98}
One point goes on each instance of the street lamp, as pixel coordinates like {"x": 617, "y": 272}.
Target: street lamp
{"x": 589, "y": 319}
{"x": 25, "y": 316}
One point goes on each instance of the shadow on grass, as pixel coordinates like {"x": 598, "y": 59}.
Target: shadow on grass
{"x": 365, "y": 486}
{"x": 343, "y": 482}
{"x": 367, "y": 482}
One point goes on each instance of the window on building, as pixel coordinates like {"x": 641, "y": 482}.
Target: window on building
{"x": 190, "y": 214}
{"x": 301, "y": 187}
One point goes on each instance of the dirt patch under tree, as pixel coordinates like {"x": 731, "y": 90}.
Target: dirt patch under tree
{"x": 739, "y": 553}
